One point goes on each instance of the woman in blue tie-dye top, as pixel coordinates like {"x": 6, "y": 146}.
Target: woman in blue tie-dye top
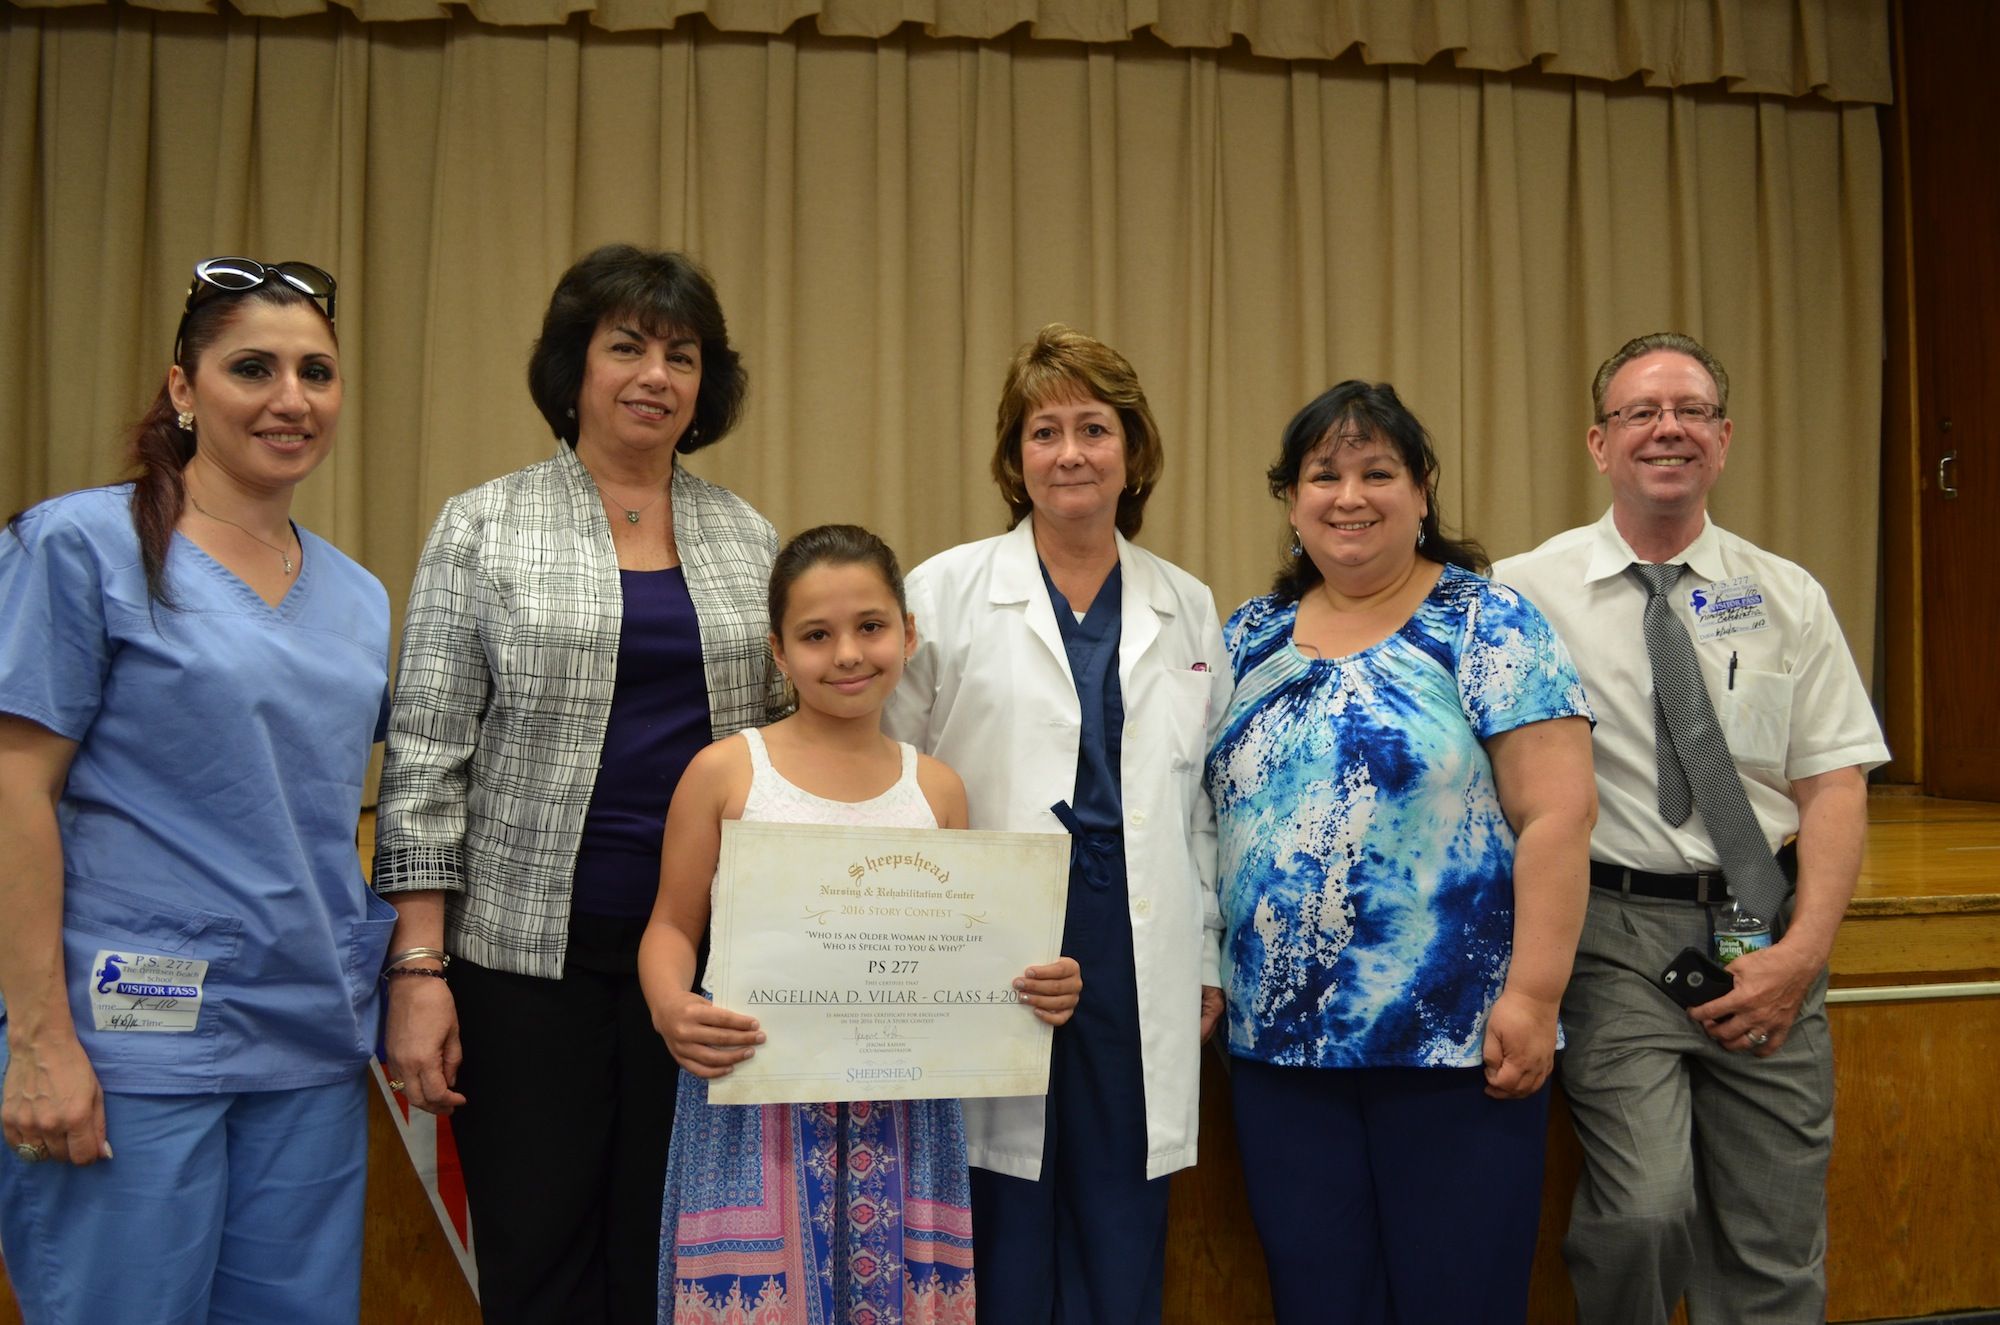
{"x": 1405, "y": 799}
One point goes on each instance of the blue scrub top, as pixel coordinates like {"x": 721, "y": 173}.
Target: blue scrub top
{"x": 1097, "y": 803}
{"x": 211, "y": 806}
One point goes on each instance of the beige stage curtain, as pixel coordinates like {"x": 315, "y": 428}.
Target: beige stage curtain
{"x": 1837, "y": 48}
{"x": 886, "y": 219}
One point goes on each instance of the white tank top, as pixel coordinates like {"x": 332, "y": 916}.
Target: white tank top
{"x": 774, "y": 799}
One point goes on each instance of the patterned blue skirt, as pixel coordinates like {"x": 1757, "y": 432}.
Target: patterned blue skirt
{"x": 816, "y": 1214}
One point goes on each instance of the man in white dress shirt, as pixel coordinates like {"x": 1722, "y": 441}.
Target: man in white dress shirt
{"x": 1705, "y": 1134}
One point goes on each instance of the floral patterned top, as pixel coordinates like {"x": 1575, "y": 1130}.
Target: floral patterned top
{"x": 1366, "y": 867}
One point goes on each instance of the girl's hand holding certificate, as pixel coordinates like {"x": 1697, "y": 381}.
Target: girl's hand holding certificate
{"x": 706, "y": 1040}
{"x": 1052, "y": 989}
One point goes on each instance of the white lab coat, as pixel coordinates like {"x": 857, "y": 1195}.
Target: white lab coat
{"x": 989, "y": 692}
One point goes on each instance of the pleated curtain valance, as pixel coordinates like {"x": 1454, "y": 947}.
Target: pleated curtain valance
{"x": 1836, "y": 49}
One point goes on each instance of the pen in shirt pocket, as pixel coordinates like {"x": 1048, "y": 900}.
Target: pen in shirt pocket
{"x": 1732, "y": 669}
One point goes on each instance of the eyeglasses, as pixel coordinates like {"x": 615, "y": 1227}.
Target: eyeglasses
{"x": 1698, "y": 415}
{"x": 238, "y": 275}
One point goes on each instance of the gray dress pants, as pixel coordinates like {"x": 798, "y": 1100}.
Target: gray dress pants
{"x": 1704, "y": 1170}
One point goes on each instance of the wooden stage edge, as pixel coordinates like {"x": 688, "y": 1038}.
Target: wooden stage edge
{"x": 1913, "y": 1194}
{"x": 1927, "y": 908}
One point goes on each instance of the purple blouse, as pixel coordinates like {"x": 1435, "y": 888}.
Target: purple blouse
{"x": 659, "y": 721}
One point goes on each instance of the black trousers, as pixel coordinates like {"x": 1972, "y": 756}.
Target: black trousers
{"x": 569, "y": 1107}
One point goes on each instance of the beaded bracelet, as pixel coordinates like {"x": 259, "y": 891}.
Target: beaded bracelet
{"x": 414, "y": 970}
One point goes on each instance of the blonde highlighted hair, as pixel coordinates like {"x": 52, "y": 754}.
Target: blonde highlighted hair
{"x": 1061, "y": 365}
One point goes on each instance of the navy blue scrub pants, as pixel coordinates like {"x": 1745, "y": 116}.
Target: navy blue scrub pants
{"x": 1087, "y": 1244}
{"x": 1391, "y": 1196}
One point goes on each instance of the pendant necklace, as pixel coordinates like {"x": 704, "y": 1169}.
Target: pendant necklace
{"x": 632, "y": 516}
{"x": 283, "y": 555}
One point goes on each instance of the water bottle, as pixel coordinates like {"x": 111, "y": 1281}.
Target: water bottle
{"x": 1738, "y": 932}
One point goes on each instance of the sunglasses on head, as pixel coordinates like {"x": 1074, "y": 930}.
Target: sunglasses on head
{"x": 238, "y": 275}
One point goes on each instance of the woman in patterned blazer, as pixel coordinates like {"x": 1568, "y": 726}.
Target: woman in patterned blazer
{"x": 577, "y": 631}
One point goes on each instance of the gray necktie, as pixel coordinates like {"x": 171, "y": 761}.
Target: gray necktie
{"x": 1695, "y": 766}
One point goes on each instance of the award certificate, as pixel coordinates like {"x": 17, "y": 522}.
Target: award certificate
{"x": 880, "y": 962}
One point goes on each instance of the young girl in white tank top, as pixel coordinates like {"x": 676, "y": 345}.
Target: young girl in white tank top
{"x": 797, "y": 1212}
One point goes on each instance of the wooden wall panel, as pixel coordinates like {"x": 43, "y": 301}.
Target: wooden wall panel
{"x": 1215, "y": 1269}
{"x": 1915, "y": 1183}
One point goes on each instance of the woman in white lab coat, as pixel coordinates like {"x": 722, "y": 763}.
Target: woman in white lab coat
{"x": 1075, "y": 682}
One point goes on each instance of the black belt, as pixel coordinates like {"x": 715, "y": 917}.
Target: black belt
{"x": 1706, "y": 888}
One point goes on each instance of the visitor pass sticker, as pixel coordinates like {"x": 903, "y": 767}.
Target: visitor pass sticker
{"x": 1727, "y": 607}
{"x": 139, "y": 991}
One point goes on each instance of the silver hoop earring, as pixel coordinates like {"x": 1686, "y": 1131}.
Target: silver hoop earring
{"x": 1420, "y": 535}
{"x": 1298, "y": 548}
{"x": 186, "y": 420}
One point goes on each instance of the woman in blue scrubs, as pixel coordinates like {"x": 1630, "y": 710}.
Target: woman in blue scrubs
{"x": 189, "y": 687}
{"x": 1074, "y": 680}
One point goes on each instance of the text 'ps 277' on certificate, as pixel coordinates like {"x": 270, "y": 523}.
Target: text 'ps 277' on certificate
{"x": 880, "y": 962}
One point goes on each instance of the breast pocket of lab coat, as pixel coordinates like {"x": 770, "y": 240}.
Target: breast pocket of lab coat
{"x": 1185, "y": 696}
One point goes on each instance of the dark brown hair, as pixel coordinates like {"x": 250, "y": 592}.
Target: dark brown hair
{"x": 664, "y": 293}
{"x": 1348, "y": 414}
{"x": 161, "y": 449}
{"x": 830, "y": 545}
